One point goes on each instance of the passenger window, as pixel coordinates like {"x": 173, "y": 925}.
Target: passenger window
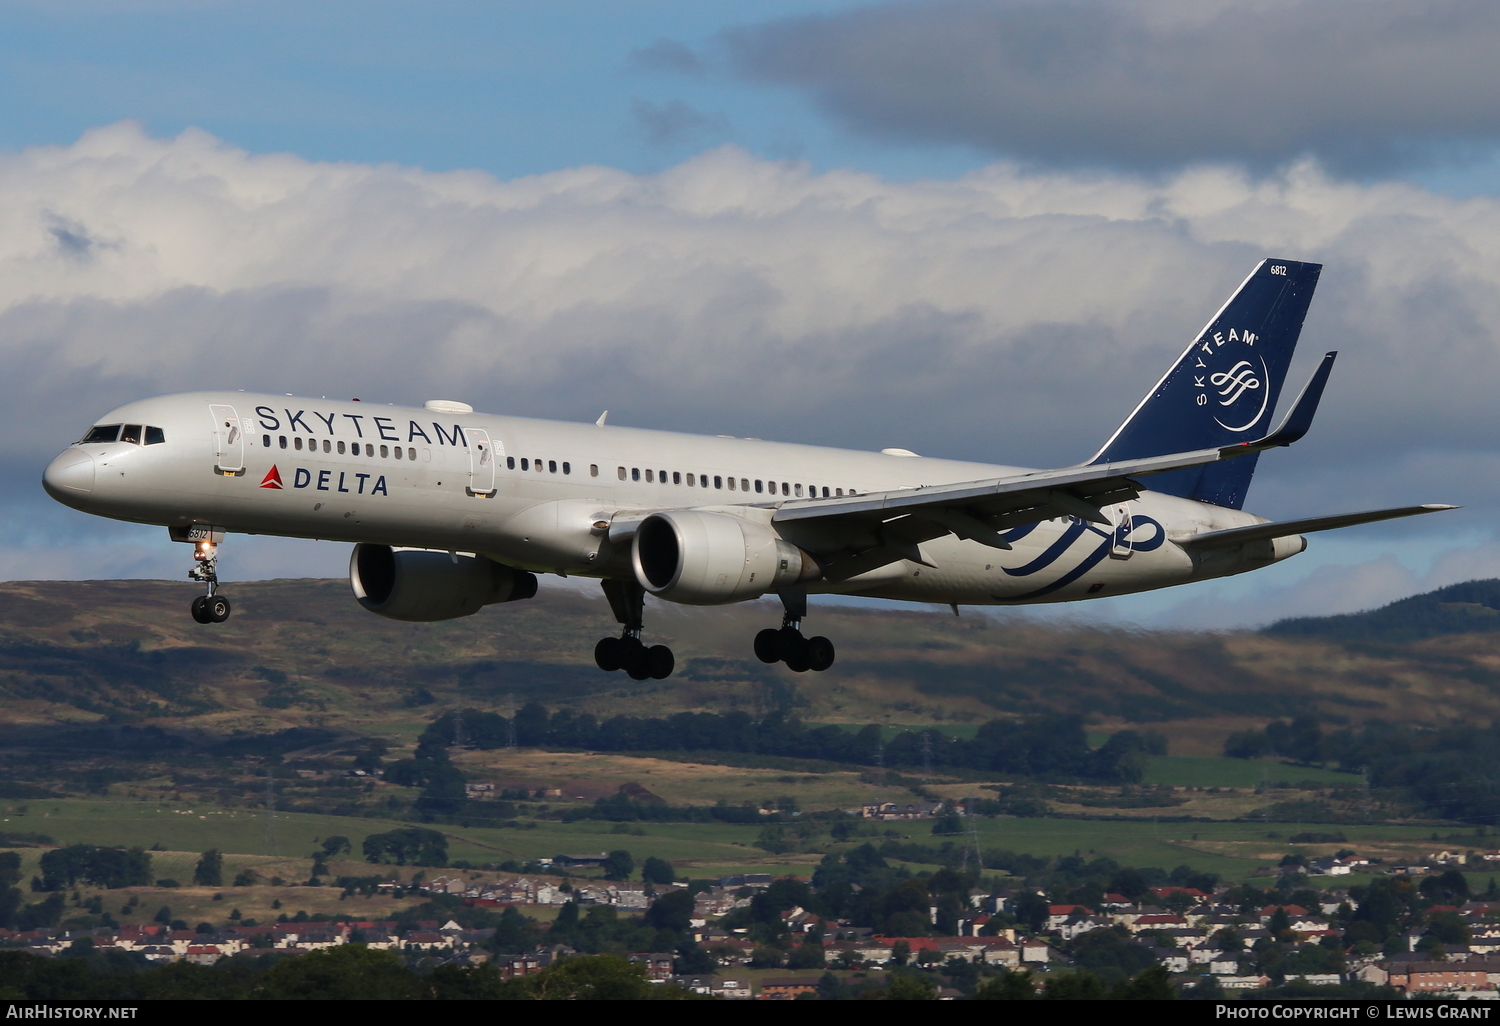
{"x": 661, "y": 475}
{"x": 593, "y": 470}
{"x": 622, "y": 473}
{"x": 759, "y": 487}
{"x": 649, "y": 476}
{"x": 106, "y": 433}
{"x": 744, "y": 484}
{"x": 635, "y": 473}
{"x": 731, "y": 484}
{"x": 825, "y": 491}
{"x": 536, "y": 465}
{"x": 265, "y": 440}
{"x": 283, "y": 440}
{"x": 677, "y": 477}
{"x": 411, "y": 453}
{"x": 156, "y": 436}
{"x": 525, "y": 464}
{"x": 327, "y": 445}
{"x": 131, "y": 433}
{"x": 397, "y": 453}
{"x": 838, "y": 491}
{"x": 510, "y": 463}
{"x": 341, "y": 448}
{"x": 691, "y": 479}
{"x": 551, "y": 466}
{"x": 567, "y": 468}
{"x": 785, "y": 488}
{"x": 798, "y": 490}
{"x": 385, "y": 452}
{"x": 718, "y": 481}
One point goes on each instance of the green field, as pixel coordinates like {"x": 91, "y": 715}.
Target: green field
{"x": 1233, "y": 849}
{"x": 1206, "y": 771}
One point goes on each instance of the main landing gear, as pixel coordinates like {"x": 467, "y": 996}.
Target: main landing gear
{"x": 213, "y": 607}
{"x": 787, "y": 645}
{"x": 627, "y": 652}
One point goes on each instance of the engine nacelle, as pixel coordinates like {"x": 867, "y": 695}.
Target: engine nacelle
{"x": 709, "y": 559}
{"x": 421, "y": 585}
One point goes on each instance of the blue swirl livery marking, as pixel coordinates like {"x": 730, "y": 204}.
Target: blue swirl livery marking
{"x": 1123, "y": 536}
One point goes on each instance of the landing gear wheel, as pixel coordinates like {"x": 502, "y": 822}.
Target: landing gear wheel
{"x": 633, "y": 659}
{"x": 768, "y": 645}
{"x": 660, "y": 662}
{"x": 608, "y": 653}
{"x": 200, "y": 609}
{"x": 217, "y": 609}
{"x": 819, "y": 653}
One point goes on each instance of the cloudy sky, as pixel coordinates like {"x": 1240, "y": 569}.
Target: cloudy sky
{"x": 972, "y": 228}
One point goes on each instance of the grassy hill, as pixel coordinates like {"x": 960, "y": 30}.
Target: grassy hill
{"x": 78, "y": 655}
{"x": 1471, "y": 607}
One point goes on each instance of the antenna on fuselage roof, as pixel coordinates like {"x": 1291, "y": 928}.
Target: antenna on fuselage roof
{"x": 600, "y": 421}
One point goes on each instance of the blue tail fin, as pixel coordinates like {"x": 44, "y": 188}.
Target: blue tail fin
{"x": 1224, "y": 388}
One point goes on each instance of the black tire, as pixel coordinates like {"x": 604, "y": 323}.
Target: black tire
{"x": 633, "y": 659}
{"x": 819, "y": 654}
{"x": 768, "y": 645}
{"x": 660, "y": 661}
{"x": 798, "y": 663}
{"x": 793, "y": 648}
{"x": 200, "y": 609}
{"x": 607, "y": 654}
{"x": 218, "y": 609}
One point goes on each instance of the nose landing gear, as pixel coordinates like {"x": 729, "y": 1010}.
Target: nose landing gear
{"x": 787, "y": 645}
{"x": 627, "y": 652}
{"x": 213, "y": 607}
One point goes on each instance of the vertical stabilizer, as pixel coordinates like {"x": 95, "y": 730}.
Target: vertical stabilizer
{"x": 1224, "y": 389}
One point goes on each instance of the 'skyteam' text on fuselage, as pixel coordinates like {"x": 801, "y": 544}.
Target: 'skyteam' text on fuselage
{"x": 450, "y": 510}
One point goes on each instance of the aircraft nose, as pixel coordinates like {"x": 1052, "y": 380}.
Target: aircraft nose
{"x": 70, "y": 476}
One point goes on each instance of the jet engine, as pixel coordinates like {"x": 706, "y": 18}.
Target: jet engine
{"x": 422, "y": 585}
{"x": 708, "y": 559}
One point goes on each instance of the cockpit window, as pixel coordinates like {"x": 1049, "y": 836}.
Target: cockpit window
{"x": 155, "y": 436}
{"x": 102, "y": 433}
{"x": 131, "y": 433}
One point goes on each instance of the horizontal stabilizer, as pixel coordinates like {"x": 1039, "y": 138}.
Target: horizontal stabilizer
{"x": 1261, "y": 532}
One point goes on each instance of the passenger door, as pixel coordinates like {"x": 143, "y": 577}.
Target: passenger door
{"x": 229, "y": 441}
{"x": 482, "y": 460}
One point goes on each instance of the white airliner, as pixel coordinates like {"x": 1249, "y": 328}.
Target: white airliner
{"x": 451, "y": 510}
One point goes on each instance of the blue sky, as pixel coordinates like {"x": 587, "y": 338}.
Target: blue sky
{"x": 512, "y": 88}
{"x": 812, "y": 191}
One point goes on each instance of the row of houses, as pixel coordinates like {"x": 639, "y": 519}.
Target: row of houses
{"x": 163, "y": 944}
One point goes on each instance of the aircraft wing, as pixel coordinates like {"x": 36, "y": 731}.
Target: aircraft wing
{"x": 855, "y": 534}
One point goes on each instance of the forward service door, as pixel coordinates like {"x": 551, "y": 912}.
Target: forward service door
{"x": 229, "y": 441}
{"x": 482, "y": 460}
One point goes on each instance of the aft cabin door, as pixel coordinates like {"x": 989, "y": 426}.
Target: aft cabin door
{"x": 482, "y": 460}
{"x": 229, "y": 441}
{"x": 1119, "y": 547}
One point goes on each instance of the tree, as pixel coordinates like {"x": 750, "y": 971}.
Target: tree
{"x": 1076, "y": 986}
{"x": 911, "y": 987}
{"x": 658, "y": 871}
{"x": 413, "y": 846}
{"x": 10, "y": 894}
{"x": 595, "y": 978}
{"x": 1008, "y": 986}
{"x": 210, "y": 869}
{"x": 1153, "y": 984}
{"x": 348, "y": 972}
{"x": 806, "y": 956}
{"x": 672, "y": 911}
{"x": 335, "y": 846}
{"x": 618, "y": 865}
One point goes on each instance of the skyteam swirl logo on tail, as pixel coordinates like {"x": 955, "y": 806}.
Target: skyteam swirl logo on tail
{"x": 1239, "y": 390}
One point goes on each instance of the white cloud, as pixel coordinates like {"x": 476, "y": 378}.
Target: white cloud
{"x": 1005, "y": 315}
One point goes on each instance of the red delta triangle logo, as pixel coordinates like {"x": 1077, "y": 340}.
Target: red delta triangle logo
{"x": 272, "y": 478}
